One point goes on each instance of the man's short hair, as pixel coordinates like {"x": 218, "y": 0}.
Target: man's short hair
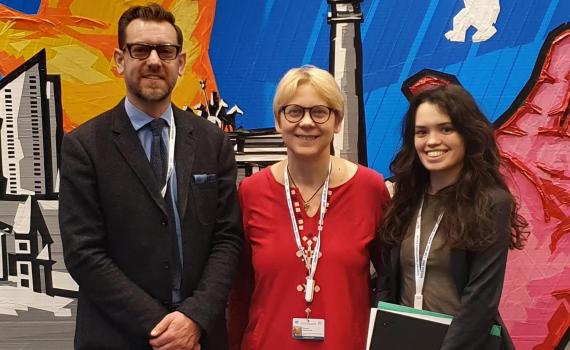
{"x": 152, "y": 12}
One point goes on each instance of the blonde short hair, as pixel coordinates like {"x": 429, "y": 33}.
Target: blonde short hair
{"x": 321, "y": 80}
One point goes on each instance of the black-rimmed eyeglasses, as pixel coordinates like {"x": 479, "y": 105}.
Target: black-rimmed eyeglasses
{"x": 319, "y": 114}
{"x": 140, "y": 51}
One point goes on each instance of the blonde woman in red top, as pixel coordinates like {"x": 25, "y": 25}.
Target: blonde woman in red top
{"x": 305, "y": 281}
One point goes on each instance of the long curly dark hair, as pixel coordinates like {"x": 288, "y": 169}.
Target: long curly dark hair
{"x": 467, "y": 222}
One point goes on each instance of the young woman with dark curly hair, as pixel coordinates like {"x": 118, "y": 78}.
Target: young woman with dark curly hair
{"x": 452, "y": 219}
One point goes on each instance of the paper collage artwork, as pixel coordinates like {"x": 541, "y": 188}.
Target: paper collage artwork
{"x": 57, "y": 71}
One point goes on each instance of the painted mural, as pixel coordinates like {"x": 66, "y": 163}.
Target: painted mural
{"x": 79, "y": 37}
{"x": 513, "y": 56}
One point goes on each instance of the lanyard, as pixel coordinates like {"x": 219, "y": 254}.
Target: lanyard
{"x": 420, "y": 268}
{"x": 171, "y": 141}
{"x": 310, "y": 263}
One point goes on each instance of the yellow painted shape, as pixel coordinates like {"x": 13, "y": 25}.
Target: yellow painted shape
{"x": 75, "y": 61}
{"x": 84, "y": 101}
{"x": 10, "y": 36}
{"x": 20, "y": 46}
{"x": 5, "y": 29}
{"x": 186, "y": 15}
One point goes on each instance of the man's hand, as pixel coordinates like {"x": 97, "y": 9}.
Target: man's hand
{"x": 175, "y": 331}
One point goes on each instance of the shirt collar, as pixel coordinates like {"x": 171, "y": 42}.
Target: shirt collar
{"x": 139, "y": 118}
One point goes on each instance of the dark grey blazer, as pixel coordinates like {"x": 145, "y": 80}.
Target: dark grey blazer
{"x": 115, "y": 236}
{"x": 478, "y": 277}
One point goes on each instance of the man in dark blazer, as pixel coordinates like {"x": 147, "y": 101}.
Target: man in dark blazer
{"x": 153, "y": 247}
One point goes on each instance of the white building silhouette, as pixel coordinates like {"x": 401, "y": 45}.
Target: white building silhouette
{"x": 29, "y": 113}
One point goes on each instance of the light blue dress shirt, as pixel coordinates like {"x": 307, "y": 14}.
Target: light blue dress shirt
{"x": 139, "y": 120}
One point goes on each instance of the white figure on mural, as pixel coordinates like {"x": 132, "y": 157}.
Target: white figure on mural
{"x": 481, "y": 14}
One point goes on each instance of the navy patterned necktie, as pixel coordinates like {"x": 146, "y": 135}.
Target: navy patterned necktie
{"x": 158, "y": 151}
{"x": 158, "y": 162}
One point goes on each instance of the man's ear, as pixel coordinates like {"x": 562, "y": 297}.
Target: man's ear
{"x": 181, "y": 63}
{"x": 119, "y": 57}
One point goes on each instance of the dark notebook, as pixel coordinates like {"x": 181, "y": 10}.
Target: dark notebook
{"x": 395, "y": 327}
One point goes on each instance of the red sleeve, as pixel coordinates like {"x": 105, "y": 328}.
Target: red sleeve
{"x": 240, "y": 295}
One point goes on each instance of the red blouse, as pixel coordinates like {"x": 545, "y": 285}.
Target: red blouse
{"x": 268, "y": 292}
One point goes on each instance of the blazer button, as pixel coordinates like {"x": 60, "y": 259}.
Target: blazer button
{"x": 165, "y": 265}
{"x": 164, "y": 222}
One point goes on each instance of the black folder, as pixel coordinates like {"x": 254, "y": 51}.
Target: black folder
{"x": 394, "y": 327}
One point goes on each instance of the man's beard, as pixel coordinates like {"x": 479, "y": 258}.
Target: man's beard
{"x": 152, "y": 95}
{"x": 148, "y": 94}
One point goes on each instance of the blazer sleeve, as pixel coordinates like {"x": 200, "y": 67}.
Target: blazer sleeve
{"x": 383, "y": 290}
{"x": 480, "y": 299}
{"x": 85, "y": 241}
{"x": 208, "y": 301}
{"x": 384, "y": 284}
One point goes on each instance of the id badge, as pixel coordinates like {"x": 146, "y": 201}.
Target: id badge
{"x": 308, "y": 328}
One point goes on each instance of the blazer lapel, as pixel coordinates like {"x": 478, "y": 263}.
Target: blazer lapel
{"x": 130, "y": 147}
{"x": 184, "y": 155}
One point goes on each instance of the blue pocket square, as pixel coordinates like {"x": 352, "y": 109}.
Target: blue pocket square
{"x": 204, "y": 178}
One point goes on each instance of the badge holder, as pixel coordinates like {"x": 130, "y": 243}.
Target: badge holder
{"x": 308, "y": 328}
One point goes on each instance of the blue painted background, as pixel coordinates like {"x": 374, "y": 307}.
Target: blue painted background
{"x": 254, "y": 44}
{"x": 25, "y": 6}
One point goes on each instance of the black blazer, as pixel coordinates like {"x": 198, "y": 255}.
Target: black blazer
{"x": 478, "y": 277}
{"x": 115, "y": 237}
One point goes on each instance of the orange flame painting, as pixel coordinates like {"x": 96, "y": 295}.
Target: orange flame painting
{"x": 79, "y": 37}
